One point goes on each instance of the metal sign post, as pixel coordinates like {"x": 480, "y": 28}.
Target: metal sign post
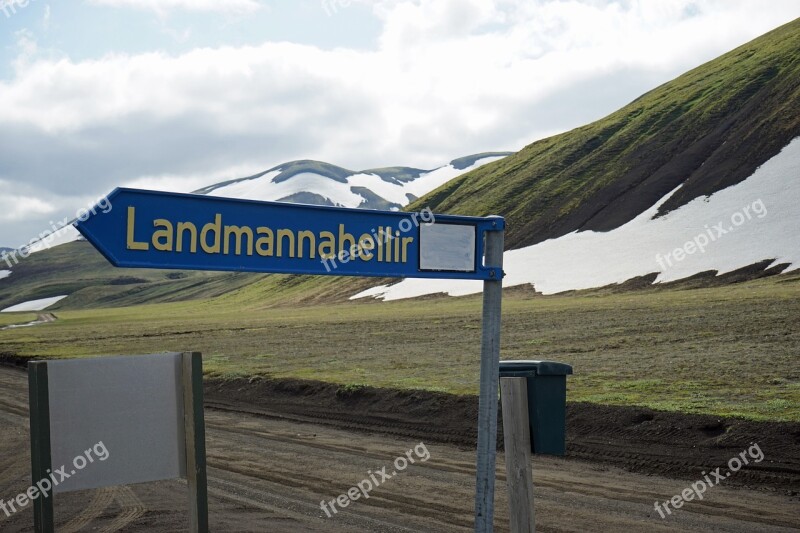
{"x": 149, "y": 229}
{"x": 487, "y": 403}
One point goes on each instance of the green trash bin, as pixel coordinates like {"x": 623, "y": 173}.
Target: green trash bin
{"x": 547, "y": 401}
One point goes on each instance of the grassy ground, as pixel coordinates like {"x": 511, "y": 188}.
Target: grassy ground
{"x": 729, "y": 351}
{"x": 7, "y": 319}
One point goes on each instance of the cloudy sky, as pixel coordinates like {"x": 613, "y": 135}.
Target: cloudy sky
{"x": 178, "y": 94}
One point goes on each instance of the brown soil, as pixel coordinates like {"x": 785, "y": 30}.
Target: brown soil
{"x": 309, "y": 442}
{"x": 633, "y": 438}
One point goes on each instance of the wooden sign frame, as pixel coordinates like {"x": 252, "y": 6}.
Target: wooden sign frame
{"x": 191, "y": 364}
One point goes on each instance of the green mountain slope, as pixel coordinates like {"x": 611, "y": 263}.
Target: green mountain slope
{"x": 708, "y": 129}
{"x": 78, "y": 270}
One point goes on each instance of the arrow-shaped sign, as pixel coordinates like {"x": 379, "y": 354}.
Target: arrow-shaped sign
{"x": 150, "y": 229}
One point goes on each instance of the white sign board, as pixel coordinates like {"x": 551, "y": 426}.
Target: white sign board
{"x": 447, "y": 247}
{"x": 133, "y": 405}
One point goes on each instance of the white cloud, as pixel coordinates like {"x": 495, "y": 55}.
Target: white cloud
{"x": 444, "y": 67}
{"x": 191, "y": 182}
{"x": 27, "y": 211}
{"x": 15, "y": 207}
{"x": 165, "y": 6}
{"x": 446, "y": 78}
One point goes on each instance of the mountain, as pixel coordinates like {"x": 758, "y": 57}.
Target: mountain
{"x": 68, "y": 265}
{"x": 710, "y": 156}
{"x": 318, "y": 183}
{"x": 695, "y": 180}
{"x": 706, "y": 130}
{"x": 4, "y": 273}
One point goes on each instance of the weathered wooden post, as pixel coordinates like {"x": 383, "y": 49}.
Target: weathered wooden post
{"x": 517, "y": 440}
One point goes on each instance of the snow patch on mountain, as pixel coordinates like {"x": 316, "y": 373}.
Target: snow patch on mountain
{"x": 754, "y": 220}
{"x": 343, "y": 192}
{"x": 34, "y": 305}
{"x": 4, "y": 273}
{"x": 263, "y": 188}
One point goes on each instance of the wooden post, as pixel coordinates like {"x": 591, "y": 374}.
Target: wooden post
{"x": 39, "y": 397}
{"x": 194, "y": 423}
{"x": 517, "y": 439}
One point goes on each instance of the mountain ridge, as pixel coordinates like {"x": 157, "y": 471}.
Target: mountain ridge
{"x": 320, "y": 183}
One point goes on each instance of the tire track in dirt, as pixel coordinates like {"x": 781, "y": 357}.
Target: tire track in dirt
{"x": 131, "y": 509}
{"x": 335, "y": 418}
{"x": 404, "y": 503}
{"x": 269, "y": 472}
{"x": 319, "y": 480}
{"x": 454, "y": 467}
{"x": 101, "y": 500}
{"x": 13, "y": 408}
{"x": 234, "y": 491}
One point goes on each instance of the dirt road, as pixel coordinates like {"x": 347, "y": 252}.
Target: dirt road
{"x": 43, "y": 318}
{"x": 268, "y": 473}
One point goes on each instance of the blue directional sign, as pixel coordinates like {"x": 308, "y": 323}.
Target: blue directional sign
{"x": 149, "y": 229}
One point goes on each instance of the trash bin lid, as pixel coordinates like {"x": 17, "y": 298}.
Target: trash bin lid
{"x": 533, "y": 368}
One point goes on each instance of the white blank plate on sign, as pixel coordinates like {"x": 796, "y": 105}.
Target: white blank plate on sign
{"x": 133, "y": 404}
{"x": 447, "y": 247}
